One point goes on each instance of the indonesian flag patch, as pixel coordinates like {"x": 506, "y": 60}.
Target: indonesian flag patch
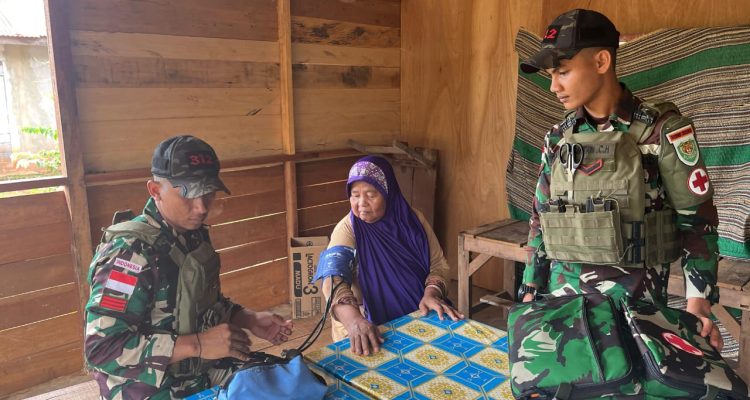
{"x": 121, "y": 282}
{"x": 681, "y": 344}
{"x": 684, "y": 143}
{"x": 698, "y": 181}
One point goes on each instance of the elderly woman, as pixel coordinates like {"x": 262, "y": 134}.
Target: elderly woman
{"x": 399, "y": 266}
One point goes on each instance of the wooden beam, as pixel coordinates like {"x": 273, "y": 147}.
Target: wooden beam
{"x": 63, "y": 81}
{"x": 36, "y": 183}
{"x": 287, "y": 115}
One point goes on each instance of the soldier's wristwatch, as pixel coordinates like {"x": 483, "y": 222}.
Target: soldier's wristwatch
{"x": 524, "y": 289}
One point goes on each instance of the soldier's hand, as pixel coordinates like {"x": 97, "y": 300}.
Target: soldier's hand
{"x": 527, "y": 297}
{"x": 224, "y": 340}
{"x": 709, "y": 328}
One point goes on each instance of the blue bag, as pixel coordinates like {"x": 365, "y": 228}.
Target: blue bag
{"x": 270, "y": 377}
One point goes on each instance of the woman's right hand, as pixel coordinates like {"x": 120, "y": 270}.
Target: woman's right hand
{"x": 364, "y": 336}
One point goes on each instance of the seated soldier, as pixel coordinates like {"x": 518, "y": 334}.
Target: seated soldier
{"x": 157, "y": 324}
{"x": 399, "y": 265}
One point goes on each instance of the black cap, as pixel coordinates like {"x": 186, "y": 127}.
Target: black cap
{"x": 568, "y": 34}
{"x": 190, "y": 163}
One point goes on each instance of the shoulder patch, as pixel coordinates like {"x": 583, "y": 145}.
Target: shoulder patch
{"x": 684, "y": 143}
{"x": 113, "y": 303}
{"x": 121, "y": 282}
{"x": 129, "y": 265}
{"x": 698, "y": 182}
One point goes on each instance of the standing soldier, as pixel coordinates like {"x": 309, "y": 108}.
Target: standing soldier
{"x": 157, "y": 324}
{"x": 622, "y": 188}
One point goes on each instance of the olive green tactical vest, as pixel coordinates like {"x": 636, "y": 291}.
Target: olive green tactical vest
{"x": 597, "y": 213}
{"x": 197, "y": 287}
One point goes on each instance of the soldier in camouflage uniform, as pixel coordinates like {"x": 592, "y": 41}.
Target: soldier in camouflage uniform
{"x": 157, "y": 325}
{"x": 578, "y": 51}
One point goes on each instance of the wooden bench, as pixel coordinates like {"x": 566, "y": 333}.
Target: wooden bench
{"x": 507, "y": 240}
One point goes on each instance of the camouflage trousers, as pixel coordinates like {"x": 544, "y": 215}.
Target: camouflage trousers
{"x": 209, "y": 379}
{"x": 616, "y": 282}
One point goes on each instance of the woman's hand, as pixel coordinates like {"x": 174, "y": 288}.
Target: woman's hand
{"x": 433, "y": 300}
{"x": 364, "y": 336}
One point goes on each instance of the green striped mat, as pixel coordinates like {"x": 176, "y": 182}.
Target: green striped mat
{"x": 705, "y": 71}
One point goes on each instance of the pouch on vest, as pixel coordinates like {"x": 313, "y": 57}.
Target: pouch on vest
{"x": 569, "y": 347}
{"x": 678, "y": 362}
{"x": 268, "y": 377}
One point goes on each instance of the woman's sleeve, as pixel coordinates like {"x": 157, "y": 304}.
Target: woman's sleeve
{"x": 343, "y": 235}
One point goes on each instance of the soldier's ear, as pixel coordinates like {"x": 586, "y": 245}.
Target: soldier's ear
{"x": 603, "y": 59}
{"x": 154, "y": 189}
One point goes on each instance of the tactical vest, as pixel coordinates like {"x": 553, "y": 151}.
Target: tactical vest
{"x": 197, "y": 297}
{"x": 597, "y": 211}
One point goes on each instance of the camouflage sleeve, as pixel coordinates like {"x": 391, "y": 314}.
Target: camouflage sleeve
{"x": 690, "y": 192}
{"x": 118, "y": 315}
{"x": 537, "y": 265}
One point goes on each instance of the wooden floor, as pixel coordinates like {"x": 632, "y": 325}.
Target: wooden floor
{"x": 81, "y": 387}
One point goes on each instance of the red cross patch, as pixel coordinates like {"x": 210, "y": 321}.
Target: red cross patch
{"x": 681, "y": 344}
{"x": 698, "y": 182}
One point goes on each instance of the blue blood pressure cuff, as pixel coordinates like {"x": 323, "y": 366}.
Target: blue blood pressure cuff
{"x": 336, "y": 261}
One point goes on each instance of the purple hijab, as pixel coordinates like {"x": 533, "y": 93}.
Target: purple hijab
{"x": 393, "y": 253}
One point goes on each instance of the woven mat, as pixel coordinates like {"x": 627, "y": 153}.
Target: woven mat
{"x": 704, "y": 71}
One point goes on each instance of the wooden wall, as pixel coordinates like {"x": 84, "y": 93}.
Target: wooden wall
{"x": 459, "y": 74}
{"x": 265, "y": 82}
{"x": 458, "y": 96}
{"x": 40, "y": 325}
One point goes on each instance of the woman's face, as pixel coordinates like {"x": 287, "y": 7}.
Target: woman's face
{"x": 367, "y": 202}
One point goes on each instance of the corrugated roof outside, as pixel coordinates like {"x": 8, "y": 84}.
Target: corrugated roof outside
{"x": 22, "y": 19}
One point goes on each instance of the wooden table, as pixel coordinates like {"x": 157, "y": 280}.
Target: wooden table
{"x": 503, "y": 239}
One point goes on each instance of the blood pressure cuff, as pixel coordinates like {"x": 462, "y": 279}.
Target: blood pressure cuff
{"x": 337, "y": 261}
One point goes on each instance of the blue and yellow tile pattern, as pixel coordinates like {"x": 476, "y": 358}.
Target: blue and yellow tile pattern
{"x": 422, "y": 358}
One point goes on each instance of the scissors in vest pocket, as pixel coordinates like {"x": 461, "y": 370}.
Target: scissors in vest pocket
{"x": 571, "y": 157}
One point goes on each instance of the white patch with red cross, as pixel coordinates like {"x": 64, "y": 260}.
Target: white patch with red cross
{"x": 698, "y": 181}
{"x": 681, "y": 344}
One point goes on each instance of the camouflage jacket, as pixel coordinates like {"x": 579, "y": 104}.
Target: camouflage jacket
{"x": 697, "y": 224}
{"x": 133, "y": 294}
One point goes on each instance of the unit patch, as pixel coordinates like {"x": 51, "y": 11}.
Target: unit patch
{"x": 589, "y": 169}
{"x": 113, "y": 303}
{"x": 698, "y": 182}
{"x": 684, "y": 143}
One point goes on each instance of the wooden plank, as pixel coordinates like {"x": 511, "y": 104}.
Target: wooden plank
{"x": 317, "y": 172}
{"x": 233, "y": 208}
{"x": 41, "y": 367}
{"x": 311, "y": 76}
{"x": 127, "y": 104}
{"x": 733, "y": 274}
{"x": 310, "y": 196}
{"x": 516, "y": 233}
{"x": 122, "y": 145}
{"x": 325, "y": 230}
{"x": 28, "y": 243}
{"x": 305, "y": 53}
{"x": 255, "y": 180}
{"x": 117, "y": 44}
{"x": 332, "y": 101}
{"x": 287, "y": 116}
{"x": 33, "y": 210}
{"x": 464, "y": 277}
{"x": 247, "y": 231}
{"x": 488, "y": 227}
{"x": 727, "y": 320}
{"x": 478, "y": 262}
{"x": 46, "y": 335}
{"x": 38, "y": 305}
{"x": 247, "y": 255}
{"x": 328, "y": 214}
{"x": 334, "y": 130}
{"x": 496, "y": 249}
{"x": 119, "y": 72}
{"x": 29, "y": 275}
{"x": 373, "y": 12}
{"x": 744, "y": 351}
{"x": 70, "y": 143}
{"x": 231, "y": 19}
{"x": 259, "y": 287}
{"x": 341, "y": 33}
{"x": 34, "y": 183}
